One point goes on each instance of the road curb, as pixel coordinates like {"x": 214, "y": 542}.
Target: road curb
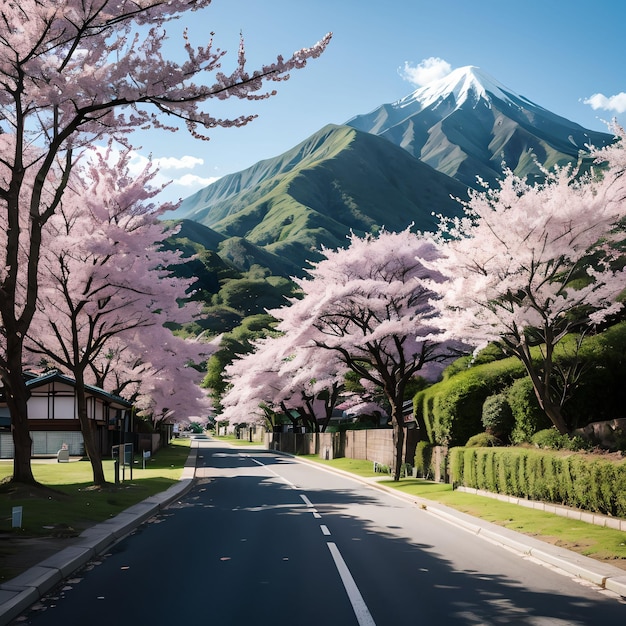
{"x": 601, "y": 574}
{"x": 19, "y": 593}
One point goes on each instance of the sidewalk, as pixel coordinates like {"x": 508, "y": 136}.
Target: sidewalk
{"x": 18, "y": 594}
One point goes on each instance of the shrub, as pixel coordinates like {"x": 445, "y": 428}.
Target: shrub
{"x": 576, "y": 480}
{"x": 527, "y": 415}
{"x": 497, "y": 417}
{"x": 577, "y": 443}
{"x": 550, "y": 438}
{"x": 456, "y": 463}
{"x": 423, "y": 459}
{"x": 406, "y": 470}
{"x": 452, "y": 408}
{"x": 483, "y": 440}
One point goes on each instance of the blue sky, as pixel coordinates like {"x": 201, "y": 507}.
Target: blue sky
{"x": 557, "y": 53}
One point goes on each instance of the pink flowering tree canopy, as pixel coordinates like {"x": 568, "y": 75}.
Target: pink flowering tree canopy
{"x": 365, "y": 306}
{"x": 528, "y": 264}
{"x": 73, "y": 73}
{"x": 105, "y": 278}
{"x": 276, "y": 379}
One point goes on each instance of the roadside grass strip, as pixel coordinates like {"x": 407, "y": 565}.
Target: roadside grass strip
{"x": 598, "y": 542}
{"x": 71, "y": 502}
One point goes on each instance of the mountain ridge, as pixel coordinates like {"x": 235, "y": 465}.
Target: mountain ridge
{"x": 337, "y": 181}
{"x": 469, "y": 116}
{"x": 393, "y": 167}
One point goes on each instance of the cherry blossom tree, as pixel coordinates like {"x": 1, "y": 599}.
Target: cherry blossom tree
{"x": 104, "y": 277}
{"x": 528, "y": 264}
{"x": 366, "y": 307}
{"x": 253, "y": 382}
{"x": 157, "y": 378}
{"x": 71, "y": 73}
{"x": 277, "y": 377}
{"x": 313, "y": 381}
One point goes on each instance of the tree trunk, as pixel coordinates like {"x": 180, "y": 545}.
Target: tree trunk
{"x": 542, "y": 386}
{"x": 398, "y": 441}
{"x": 88, "y": 428}
{"x": 17, "y": 401}
{"x": 16, "y": 394}
{"x": 329, "y": 406}
{"x": 287, "y": 413}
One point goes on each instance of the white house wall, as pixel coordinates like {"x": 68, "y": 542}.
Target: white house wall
{"x": 57, "y": 401}
{"x": 45, "y": 443}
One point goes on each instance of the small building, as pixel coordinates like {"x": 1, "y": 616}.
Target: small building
{"x": 53, "y": 417}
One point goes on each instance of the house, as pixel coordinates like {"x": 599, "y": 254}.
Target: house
{"x": 53, "y": 419}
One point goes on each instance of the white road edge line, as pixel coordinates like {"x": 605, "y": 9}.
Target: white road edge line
{"x": 271, "y": 471}
{"x": 363, "y": 616}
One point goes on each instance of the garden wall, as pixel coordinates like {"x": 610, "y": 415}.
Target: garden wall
{"x": 373, "y": 444}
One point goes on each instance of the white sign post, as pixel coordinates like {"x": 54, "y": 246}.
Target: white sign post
{"x": 16, "y": 518}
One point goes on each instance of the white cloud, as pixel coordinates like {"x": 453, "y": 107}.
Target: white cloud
{"x": 139, "y": 161}
{"x": 425, "y": 72}
{"x": 615, "y": 103}
{"x": 172, "y": 163}
{"x": 165, "y": 165}
{"x": 191, "y": 180}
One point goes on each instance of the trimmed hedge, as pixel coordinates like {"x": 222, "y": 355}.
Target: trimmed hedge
{"x": 452, "y": 408}
{"x": 584, "y": 482}
{"x": 527, "y": 414}
{"x": 423, "y": 459}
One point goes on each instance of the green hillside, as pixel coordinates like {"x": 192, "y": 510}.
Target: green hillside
{"x": 234, "y": 279}
{"x": 339, "y": 180}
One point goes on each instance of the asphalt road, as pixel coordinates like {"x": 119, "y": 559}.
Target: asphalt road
{"x": 263, "y": 539}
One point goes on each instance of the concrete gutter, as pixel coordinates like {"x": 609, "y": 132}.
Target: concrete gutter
{"x": 19, "y": 593}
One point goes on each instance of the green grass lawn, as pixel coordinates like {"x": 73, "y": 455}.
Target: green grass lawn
{"x": 604, "y": 544}
{"x": 232, "y": 439}
{"x": 73, "y": 502}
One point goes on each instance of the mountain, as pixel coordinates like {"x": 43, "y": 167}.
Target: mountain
{"x": 338, "y": 180}
{"x": 467, "y": 123}
{"x": 393, "y": 167}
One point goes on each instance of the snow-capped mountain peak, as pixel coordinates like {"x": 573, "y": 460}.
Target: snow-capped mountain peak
{"x": 453, "y": 124}
{"x": 464, "y": 84}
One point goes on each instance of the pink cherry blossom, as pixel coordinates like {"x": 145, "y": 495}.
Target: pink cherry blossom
{"x": 74, "y": 73}
{"x": 528, "y": 264}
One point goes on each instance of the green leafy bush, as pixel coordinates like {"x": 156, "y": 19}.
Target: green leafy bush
{"x": 483, "y": 440}
{"x": 527, "y": 415}
{"x": 497, "y": 417}
{"x": 577, "y": 442}
{"x": 452, "y": 408}
{"x": 578, "y": 480}
{"x": 423, "y": 459}
{"x": 549, "y": 438}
